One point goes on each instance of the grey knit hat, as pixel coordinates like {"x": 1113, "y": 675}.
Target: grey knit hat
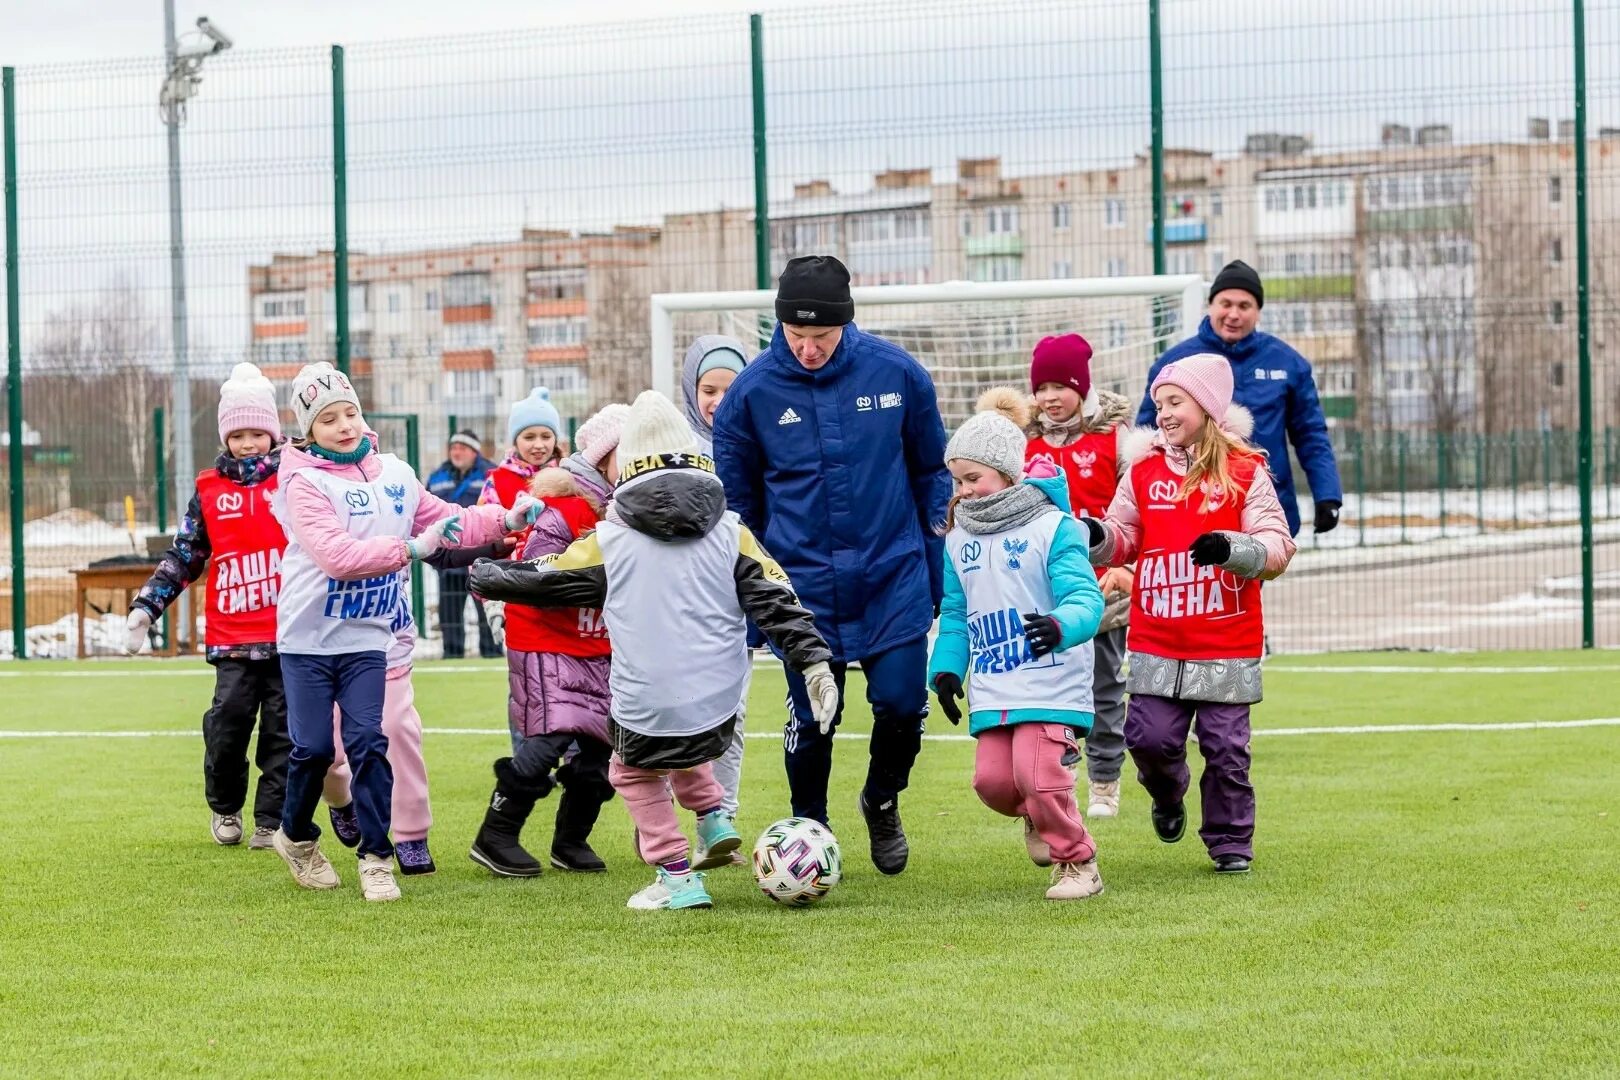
{"x": 990, "y": 439}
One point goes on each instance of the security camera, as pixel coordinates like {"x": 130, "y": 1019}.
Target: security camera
{"x": 215, "y": 34}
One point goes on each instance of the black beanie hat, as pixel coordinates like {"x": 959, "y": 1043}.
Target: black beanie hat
{"x": 814, "y": 291}
{"x": 1238, "y": 274}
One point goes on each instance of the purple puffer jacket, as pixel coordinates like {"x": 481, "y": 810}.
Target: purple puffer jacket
{"x": 549, "y": 693}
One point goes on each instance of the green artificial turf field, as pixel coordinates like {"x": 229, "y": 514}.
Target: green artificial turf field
{"x": 1427, "y": 903}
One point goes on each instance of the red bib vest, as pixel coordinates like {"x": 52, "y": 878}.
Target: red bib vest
{"x": 244, "y": 571}
{"x": 1091, "y": 466}
{"x": 1179, "y": 610}
{"x": 567, "y": 631}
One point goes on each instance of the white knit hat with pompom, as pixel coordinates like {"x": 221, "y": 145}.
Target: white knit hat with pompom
{"x": 247, "y": 402}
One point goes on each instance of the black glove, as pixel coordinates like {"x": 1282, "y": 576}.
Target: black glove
{"x": 1094, "y": 531}
{"x": 1327, "y": 515}
{"x": 1211, "y": 549}
{"x": 1043, "y": 633}
{"x": 948, "y": 688}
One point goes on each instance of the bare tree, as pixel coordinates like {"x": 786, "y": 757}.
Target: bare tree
{"x": 619, "y": 364}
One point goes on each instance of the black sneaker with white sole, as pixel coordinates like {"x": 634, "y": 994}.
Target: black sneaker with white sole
{"x": 889, "y": 848}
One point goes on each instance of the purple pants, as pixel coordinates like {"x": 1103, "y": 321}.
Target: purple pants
{"x": 1156, "y": 735}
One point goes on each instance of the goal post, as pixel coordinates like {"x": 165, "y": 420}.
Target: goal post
{"x": 969, "y": 335}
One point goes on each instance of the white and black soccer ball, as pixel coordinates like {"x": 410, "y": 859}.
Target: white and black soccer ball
{"x": 797, "y": 862}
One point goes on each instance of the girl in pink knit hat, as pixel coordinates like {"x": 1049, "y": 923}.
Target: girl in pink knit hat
{"x": 1197, "y": 513}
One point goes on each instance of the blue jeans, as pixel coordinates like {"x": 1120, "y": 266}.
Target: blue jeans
{"x": 356, "y": 683}
{"x": 897, "y": 690}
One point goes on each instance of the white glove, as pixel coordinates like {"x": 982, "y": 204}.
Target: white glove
{"x": 823, "y": 691}
{"x": 444, "y": 533}
{"x": 495, "y": 615}
{"x": 138, "y": 623}
{"x": 525, "y": 509}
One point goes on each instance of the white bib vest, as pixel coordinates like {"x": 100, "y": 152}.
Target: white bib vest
{"x": 690, "y": 679}
{"x": 1003, "y": 578}
{"x": 323, "y": 616}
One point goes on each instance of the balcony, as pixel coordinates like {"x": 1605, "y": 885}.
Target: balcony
{"x": 1422, "y": 219}
{"x": 1182, "y": 231}
{"x": 975, "y": 247}
{"x": 1315, "y": 287}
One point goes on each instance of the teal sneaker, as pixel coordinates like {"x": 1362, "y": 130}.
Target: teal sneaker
{"x": 672, "y": 892}
{"x": 717, "y": 839}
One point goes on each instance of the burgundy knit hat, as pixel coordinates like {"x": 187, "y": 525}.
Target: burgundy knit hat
{"x": 1065, "y": 360}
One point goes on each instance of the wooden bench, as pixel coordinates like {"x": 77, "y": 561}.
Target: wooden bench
{"x": 128, "y": 580}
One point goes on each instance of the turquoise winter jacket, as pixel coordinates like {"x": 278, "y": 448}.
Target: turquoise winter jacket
{"x": 1078, "y": 613}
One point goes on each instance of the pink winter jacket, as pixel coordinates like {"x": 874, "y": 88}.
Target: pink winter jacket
{"x": 311, "y": 522}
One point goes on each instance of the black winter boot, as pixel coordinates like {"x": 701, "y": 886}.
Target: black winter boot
{"x": 496, "y": 846}
{"x": 577, "y": 810}
{"x": 889, "y": 848}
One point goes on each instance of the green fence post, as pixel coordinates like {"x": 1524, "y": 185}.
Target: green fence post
{"x": 1513, "y": 473}
{"x": 1479, "y": 479}
{"x": 14, "y": 389}
{"x": 340, "y": 213}
{"x": 573, "y": 429}
{"x": 1361, "y": 490}
{"x": 762, "y": 187}
{"x": 1546, "y": 473}
{"x": 1442, "y": 446}
{"x": 454, "y": 427}
{"x": 413, "y": 454}
{"x": 1583, "y": 319}
{"x": 161, "y": 470}
{"x": 1400, "y": 477}
{"x": 1608, "y": 472}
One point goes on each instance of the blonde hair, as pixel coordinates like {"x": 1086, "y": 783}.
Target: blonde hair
{"x": 1209, "y": 460}
{"x": 555, "y": 482}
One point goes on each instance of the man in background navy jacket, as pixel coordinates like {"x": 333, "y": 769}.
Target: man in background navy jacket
{"x": 459, "y": 480}
{"x": 831, "y": 450}
{"x": 1274, "y": 383}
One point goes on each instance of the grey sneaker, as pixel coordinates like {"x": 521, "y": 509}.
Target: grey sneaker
{"x": 260, "y": 840}
{"x": 303, "y": 857}
{"x": 227, "y": 828}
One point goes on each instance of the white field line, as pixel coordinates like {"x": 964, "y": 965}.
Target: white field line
{"x": 1363, "y": 729}
{"x": 1284, "y": 669}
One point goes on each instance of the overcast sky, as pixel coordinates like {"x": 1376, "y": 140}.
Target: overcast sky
{"x": 493, "y": 114}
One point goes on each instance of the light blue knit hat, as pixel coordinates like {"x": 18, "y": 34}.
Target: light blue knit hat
{"x": 536, "y": 410}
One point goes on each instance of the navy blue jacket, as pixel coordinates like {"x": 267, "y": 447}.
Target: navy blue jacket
{"x": 841, "y": 472}
{"x": 460, "y": 488}
{"x": 1274, "y": 383}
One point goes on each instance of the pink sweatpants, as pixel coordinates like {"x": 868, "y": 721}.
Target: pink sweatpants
{"x": 647, "y": 797}
{"x": 403, "y": 727}
{"x": 1018, "y": 770}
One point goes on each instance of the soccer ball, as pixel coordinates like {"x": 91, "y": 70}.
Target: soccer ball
{"x": 796, "y": 862}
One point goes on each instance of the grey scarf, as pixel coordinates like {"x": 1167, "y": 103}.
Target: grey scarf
{"x": 1006, "y": 509}
{"x": 1061, "y": 432}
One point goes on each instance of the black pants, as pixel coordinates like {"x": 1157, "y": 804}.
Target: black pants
{"x": 536, "y": 755}
{"x": 247, "y": 694}
{"x": 452, "y": 601}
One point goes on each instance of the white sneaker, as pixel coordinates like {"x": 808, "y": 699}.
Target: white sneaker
{"x": 227, "y": 829}
{"x": 1039, "y": 853}
{"x": 261, "y": 839}
{"x": 1104, "y": 799}
{"x": 654, "y": 897}
{"x": 1075, "y": 880}
{"x": 309, "y": 867}
{"x": 377, "y": 879}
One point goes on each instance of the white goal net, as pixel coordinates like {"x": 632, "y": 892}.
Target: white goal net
{"x": 969, "y": 335}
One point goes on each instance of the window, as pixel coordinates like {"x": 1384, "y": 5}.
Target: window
{"x": 556, "y": 284}
{"x": 431, "y": 300}
{"x": 281, "y": 307}
{"x": 396, "y": 395}
{"x": 1217, "y": 259}
{"x": 1002, "y": 220}
{"x": 394, "y": 348}
{"x": 1557, "y": 313}
{"x": 1558, "y": 373}
{"x": 1114, "y": 267}
{"x": 1555, "y": 189}
{"x": 394, "y": 303}
{"x": 1555, "y": 250}
{"x": 1114, "y": 213}
{"x": 433, "y": 346}
{"x": 1060, "y": 215}
{"x": 467, "y": 290}
{"x": 475, "y": 381}
{"x": 1116, "y": 333}
{"x": 966, "y": 228}
{"x": 557, "y": 333}
{"x": 470, "y": 335}
{"x": 1062, "y": 268}
{"x": 1214, "y": 204}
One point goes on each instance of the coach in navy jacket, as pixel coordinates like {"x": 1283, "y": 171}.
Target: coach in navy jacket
{"x": 1274, "y": 383}
{"x": 831, "y": 450}
{"x": 459, "y": 479}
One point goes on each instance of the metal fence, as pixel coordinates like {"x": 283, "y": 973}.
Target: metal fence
{"x": 1433, "y": 203}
